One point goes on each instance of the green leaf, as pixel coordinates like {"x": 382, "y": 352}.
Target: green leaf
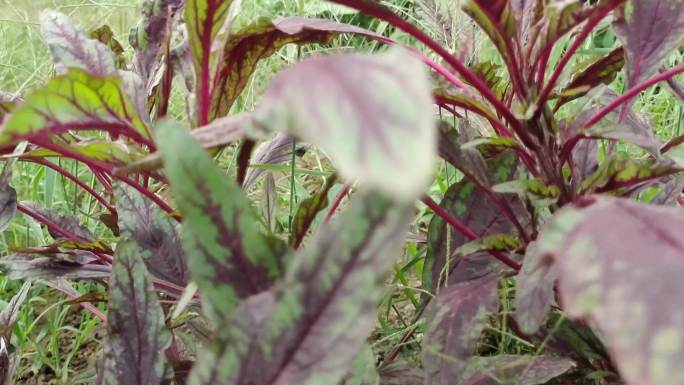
{"x": 105, "y": 36}
{"x": 261, "y": 39}
{"x": 602, "y": 70}
{"x": 497, "y": 20}
{"x": 310, "y": 329}
{"x": 307, "y": 211}
{"x": 111, "y": 152}
{"x": 227, "y": 256}
{"x": 137, "y": 335}
{"x": 499, "y": 242}
{"x": 620, "y": 265}
{"x": 371, "y": 115}
{"x": 617, "y": 174}
{"x": 539, "y": 192}
{"x": 205, "y": 21}
{"x": 74, "y": 101}
{"x": 363, "y": 371}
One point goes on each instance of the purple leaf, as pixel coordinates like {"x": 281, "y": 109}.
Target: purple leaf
{"x": 670, "y": 189}
{"x": 8, "y": 354}
{"x": 137, "y": 335}
{"x": 151, "y": 34}
{"x": 320, "y": 316}
{"x": 456, "y": 318}
{"x": 274, "y": 151}
{"x": 585, "y": 160}
{"x": 269, "y": 201}
{"x": 155, "y": 233}
{"x": 386, "y": 125}
{"x": 473, "y": 209}
{"x": 245, "y": 48}
{"x": 24, "y": 266}
{"x": 72, "y": 48}
{"x": 650, "y": 30}
{"x": 626, "y": 281}
{"x": 511, "y": 369}
{"x": 534, "y": 289}
{"x": 401, "y": 373}
{"x": 67, "y": 222}
{"x": 8, "y": 198}
{"x": 468, "y": 160}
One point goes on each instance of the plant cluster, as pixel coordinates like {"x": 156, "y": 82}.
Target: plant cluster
{"x": 205, "y": 288}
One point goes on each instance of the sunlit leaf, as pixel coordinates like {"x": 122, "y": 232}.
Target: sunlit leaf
{"x": 626, "y": 281}
{"x": 650, "y": 30}
{"x": 155, "y": 233}
{"x": 72, "y": 48}
{"x": 137, "y": 335}
{"x": 311, "y": 328}
{"x": 111, "y": 152}
{"x": 74, "y": 101}
{"x": 245, "y": 48}
{"x": 456, "y": 318}
{"x": 105, "y": 35}
{"x": 227, "y": 255}
{"x": 381, "y": 133}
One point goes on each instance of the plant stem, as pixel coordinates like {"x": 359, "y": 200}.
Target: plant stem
{"x": 463, "y": 229}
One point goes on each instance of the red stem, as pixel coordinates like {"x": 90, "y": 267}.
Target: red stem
{"x": 579, "y": 40}
{"x": 627, "y": 96}
{"x": 463, "y": 229}
{"x": 379, "y": 12}
{"x": 74, "y": 179}
{"x": 103, "y": 167}
{"x": 337, "y": 202}
{"x": 632, "y": 92}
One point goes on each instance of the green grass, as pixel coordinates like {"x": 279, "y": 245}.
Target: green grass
{"x": 53, "y": 335}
